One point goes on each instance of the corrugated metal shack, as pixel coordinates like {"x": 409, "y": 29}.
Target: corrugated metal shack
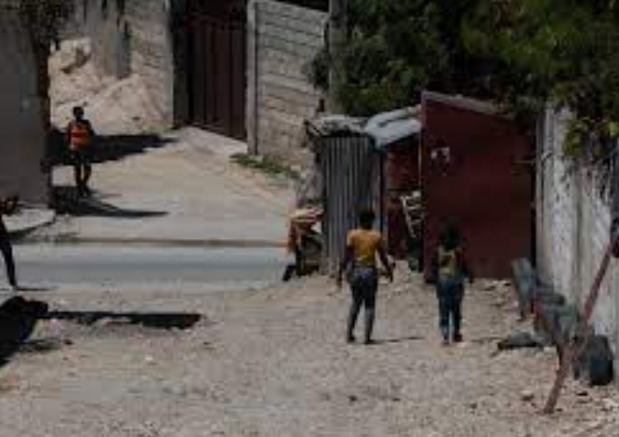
{"x": 476, "y": 173}
{"x": 352, "y": 154}
{"x": 351, "y": 176}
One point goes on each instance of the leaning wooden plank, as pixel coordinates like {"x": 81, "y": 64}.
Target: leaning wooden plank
{"x": 573, "y": 350}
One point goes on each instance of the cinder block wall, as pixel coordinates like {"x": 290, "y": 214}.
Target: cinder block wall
{"x": 573, "y": 226}
{"x": 282, "y": 40}
{"x": 21, "y": 123}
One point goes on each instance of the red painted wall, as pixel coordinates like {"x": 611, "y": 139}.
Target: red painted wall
{"x": 477, "y": 183}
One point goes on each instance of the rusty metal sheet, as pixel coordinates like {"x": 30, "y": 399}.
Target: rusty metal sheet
{"x": 472, "y": 175}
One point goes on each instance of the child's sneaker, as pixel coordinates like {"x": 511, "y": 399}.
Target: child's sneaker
{"x": 457, "y": 338}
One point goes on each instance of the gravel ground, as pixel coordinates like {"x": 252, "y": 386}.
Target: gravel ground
{"x": 272, "y": 362}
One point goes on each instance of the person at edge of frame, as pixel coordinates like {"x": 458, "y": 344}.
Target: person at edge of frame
{"x": 8, "y": 205}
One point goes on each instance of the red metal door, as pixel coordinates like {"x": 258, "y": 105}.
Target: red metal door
{"x": 472, "y": 175}
{"x": 218, "y": 67}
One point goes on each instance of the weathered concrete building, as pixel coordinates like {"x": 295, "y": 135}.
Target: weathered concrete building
{"x": 234, "y": 67}
{"x": 573, "y": 226}
{"x": 283, "y": 39}
{"x": 134, "y": 37}
{"x": 22, "y": 123}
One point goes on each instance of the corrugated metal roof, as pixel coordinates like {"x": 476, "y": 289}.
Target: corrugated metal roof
{"x": 336, "y": 125}
{"x": 391, "y": 127}
{"x": 384, "y": 129}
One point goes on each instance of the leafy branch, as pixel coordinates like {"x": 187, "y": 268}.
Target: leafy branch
{"x": 520, "y": 53}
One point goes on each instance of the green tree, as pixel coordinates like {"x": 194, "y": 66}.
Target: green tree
{"x": 396, "y": 49}
{"x": 522, "y": 53}
{"x": 559, "y": 51}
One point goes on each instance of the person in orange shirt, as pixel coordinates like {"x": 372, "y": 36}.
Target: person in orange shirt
{"x": 80, "y": 135}
{"x": 362, "y": 246}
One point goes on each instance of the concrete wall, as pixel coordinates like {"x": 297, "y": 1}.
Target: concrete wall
{"x": 573, "y": 226}
{"x": 152, "y": 53}
{"x": 282, "y": 40}
{"x": 21, "y": 123}
{"x": 137, "y": 40}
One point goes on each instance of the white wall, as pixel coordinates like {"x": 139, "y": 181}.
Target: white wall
{"x": 573, "y": 226}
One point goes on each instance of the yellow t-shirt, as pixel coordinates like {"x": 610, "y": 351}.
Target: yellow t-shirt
{"x": 364, "y": 244}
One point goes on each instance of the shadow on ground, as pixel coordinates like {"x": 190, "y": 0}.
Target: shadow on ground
{"x": 65, "y": 200}
{"x": 18, "y": 318}
{"x": 35, "y": 289}
{"x": 149, "y": 320}
{"x": 105, "y": 148}
{"x": 399, "y": 340}
{"x": 42, "y": 345}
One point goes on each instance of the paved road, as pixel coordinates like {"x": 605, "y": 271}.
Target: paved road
{"x": 66, "y": 264}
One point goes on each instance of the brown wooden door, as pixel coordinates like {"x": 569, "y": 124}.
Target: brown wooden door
{"x": 217, "y": 70}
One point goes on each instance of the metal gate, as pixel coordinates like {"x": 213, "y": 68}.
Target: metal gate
{"x": 217, "y": 68}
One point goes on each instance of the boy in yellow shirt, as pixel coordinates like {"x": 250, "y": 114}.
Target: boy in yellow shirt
{"x": 362, "y": 246}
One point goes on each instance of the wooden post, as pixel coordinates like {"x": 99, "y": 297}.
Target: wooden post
{"x": 573, "y": 350}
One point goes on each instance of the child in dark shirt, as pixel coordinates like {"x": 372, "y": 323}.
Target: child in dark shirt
{"x": 449, "y": 269}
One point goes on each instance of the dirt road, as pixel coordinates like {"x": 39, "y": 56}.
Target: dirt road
{"x": 58, "y": 265}
{"x": 273, "y": 363}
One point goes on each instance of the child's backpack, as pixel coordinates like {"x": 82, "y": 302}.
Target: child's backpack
{"x": 448, "y": 263}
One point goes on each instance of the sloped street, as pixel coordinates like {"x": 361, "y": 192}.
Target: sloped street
{"x": 186, "y": 189}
